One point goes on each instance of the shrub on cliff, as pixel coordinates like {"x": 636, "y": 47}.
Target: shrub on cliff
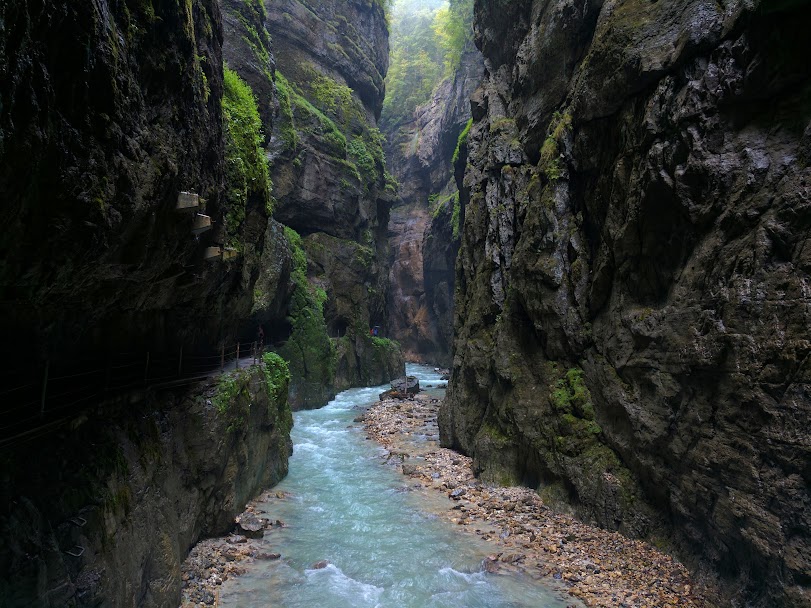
{"x": 246, "y": 163}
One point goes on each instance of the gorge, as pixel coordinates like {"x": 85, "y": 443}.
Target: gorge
{"x": 595, "y": 214}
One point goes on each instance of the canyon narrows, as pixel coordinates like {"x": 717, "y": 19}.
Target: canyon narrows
{"x": 595, "y": 215}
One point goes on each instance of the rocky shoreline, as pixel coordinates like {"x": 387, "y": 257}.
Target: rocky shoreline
{"x": 598, "y": 567}
{"x": 213, "y": 561}
{"x": 595, "y": 566}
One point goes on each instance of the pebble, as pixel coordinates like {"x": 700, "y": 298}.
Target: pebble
{"x": 598, "y": 567}
{"x": 213, "y": 561}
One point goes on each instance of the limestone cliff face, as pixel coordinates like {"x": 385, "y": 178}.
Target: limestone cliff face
{"x": 247, "y": 50}
{"x": 632, "y": 311}
{"x": 108, "y": 111}
{"x": 423, "y": 250}
{"x": 112, "y": 526}
{"x": 329, "y": 176}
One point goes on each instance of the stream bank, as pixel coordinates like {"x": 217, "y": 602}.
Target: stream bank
{"x": 103, "y": 510}
{"x": 596, "y": 566}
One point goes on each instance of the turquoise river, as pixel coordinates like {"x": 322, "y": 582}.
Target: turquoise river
{"x": 384, "y": 546}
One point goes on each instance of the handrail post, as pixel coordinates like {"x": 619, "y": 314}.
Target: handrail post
{"x": 107, "y": 373}
{"x": 180, "y": 362}
{"x": 44, "y": 389}
{"x": 255, "y": 352}
{"x": 146, "y": 367}
{"x": 237, "y": 355}
{"x": 222, "y": 357}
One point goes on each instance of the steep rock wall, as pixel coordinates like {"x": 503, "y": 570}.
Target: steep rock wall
{"x": 330, "y": 182}
{"x": 633, "y": 276}
{"x": 423, "y": 255}
{"x": 108, "y": 111}
{"x": 112, "y": 526}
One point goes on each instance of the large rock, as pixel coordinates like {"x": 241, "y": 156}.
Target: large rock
{"x": 630, "y": 324}
{"x": 407, "y": 385}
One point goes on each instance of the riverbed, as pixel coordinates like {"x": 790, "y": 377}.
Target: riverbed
{"x": 354, "y": 533}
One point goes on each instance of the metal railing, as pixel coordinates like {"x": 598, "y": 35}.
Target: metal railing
{"x": 41, "y": 397}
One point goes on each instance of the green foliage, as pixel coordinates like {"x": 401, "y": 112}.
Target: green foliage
{"x": 439, "y": 205}
{"x": 550, "y": 162}
{"x": 288, "y": 132}
{"x": 335, "y": 99}
{"x": 309, "y": 352}
{"x": 305, "y": 116}
{"x": 461, "y": 141}
{"x": 427, "y": 40}
{"x": 229, "y": 401}
{"x": 385, "y": 343}
{"x": 359, "y": 153}
{"x": 392, "y": 185}
{"x": 453, "y": 28}
{"x": 416, "y": 60}
{"x": 277, "y": 375}
{"x": 246, "y": 167}
{"x": 296, "y": 251}
{"x": 317, "y": 105}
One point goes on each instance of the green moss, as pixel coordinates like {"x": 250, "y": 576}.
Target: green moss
{"x": 309, "y": 352}
{"x": 495, "y": 435}
{"x": 363, "y": 159}
{"x": 385, "y": 343}
{"x": 288, "y": 132}
{"x": 246, "y": 167}
{"x": 392, "y": 185}
{"x": 550, "y": 162}
{"x": 335, "y": 99}
{"x": 231, "y": 399}
{"x": 310, "y": 117}
{"x": 571, "y": 395}
{"x": 461, "y": 141}
{"x": 277, "y": 375}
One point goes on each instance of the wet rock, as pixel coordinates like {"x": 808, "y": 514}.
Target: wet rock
{"x": 250, "y": 526}
{"x": 633, "y": 306}
{"x": 236, "y": 539}
{"x": 409, "y": 385}
{"x": 319, "y": 565}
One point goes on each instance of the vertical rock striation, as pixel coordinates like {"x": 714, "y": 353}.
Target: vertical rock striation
{"x": 108, "y": 111}
{"x": 632, "y": 291}
{"x": 423, "y": 246}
